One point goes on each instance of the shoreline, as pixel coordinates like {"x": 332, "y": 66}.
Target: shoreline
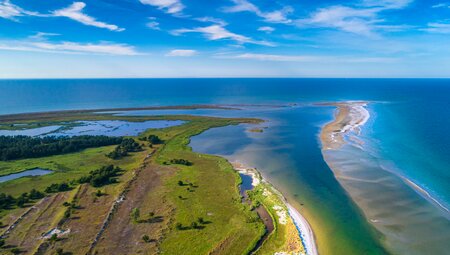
{"x": 350, "y": 117}
{"x": 384, "y": 196}
{"x": 304, "y": 229}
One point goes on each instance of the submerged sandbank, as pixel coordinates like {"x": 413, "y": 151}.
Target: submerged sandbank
{"x": 408, "y": 219}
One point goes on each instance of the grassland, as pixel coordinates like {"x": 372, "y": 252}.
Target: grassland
{"x": 208, "y": 197}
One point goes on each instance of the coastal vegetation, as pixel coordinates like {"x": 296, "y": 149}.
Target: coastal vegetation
{"x": 20, "y": 147}
{"x": 161, "y": 195}
{"x": 127, "y": 145}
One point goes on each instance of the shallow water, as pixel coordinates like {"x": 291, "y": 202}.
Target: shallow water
{"x": 27, "y": 173}
{"x": 103, "y": 127}
{"x": 408, "y": 133}
{"x": 30, "y": 132}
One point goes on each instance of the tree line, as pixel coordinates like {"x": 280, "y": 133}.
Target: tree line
{"x": 127, "y": 145}
{"x": 20, "y": 147}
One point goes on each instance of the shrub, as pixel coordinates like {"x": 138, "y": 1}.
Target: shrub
{"x": 181, "y": 161}
{"x": 146, "y": 238}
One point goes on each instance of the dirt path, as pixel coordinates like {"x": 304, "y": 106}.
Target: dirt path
{"x": 123, "y": 235}
{"x": 28, "y": 233}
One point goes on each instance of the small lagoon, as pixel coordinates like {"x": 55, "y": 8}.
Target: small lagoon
{"x": 27, "y": 173}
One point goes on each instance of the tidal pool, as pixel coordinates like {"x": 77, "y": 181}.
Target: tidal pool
{"x": 31, "y": 172}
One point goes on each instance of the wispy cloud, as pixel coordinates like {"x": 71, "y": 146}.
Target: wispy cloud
{"x": 104, "y": 48}
{"x": 211, "y": 20}
{"x": 181, "y": 53}
{"x": 437, "y": 27}
{"x": 11, "y": 11}
{"x": 305, "y": 58}
{"x": 169, "y": 6}
{"x": 278, "y": 16}
{"x": 266, "y": 29}
{"x": 387, "y": 4}
{"x": 42, "y": 35}
{"x": 441, "y": 5}
{"x": 75, "y": 12}
{"x": 217, "y": 32}
{"x": 153, "y": 24}
{"x": 362, "y": 19}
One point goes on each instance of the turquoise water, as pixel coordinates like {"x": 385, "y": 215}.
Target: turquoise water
{"x": 407, "y": 133}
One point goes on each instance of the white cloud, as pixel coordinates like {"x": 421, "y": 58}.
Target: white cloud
{"x": 217, "y": 32}
{"x": 305, "y": 58}
{"x": 387, "y": 4}
{"x": 169, "y": 6}
{"x": 362, "y": 19}
{"x": 74, "y": 12}
{"x": 42, "y": 35}
{"x": 10, "y": 11}
{"x": 436, "y": 27}
{"x": 266, "y": 29}
{"x": 104, "y": 48}
{"x": 357, "y": 21}
{"x": 181, "y": 53}
{"x": 278, "y": 16}
{"x": 212, "y": 20}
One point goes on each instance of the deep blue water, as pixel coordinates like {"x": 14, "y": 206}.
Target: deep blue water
{"x": 408, "y": 129}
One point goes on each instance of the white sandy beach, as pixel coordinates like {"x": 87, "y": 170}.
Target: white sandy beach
{"x": 305, "y": 230}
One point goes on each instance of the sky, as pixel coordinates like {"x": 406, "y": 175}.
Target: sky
{"x": 224, "y": 38}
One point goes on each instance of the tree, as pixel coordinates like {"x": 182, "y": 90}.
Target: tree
{"x": 179, "y": 226}
{"x": 34, "y": 194}
{"x": 201, "y": 220}
{"x": 2, "y": 242}
{"x": 151, "y": 215}
{"x": 54, "y": 238}
{"x": 59, "y": 251}
{"x": 15, "y": 251}
{"x": 180, "y": 183}
{"x": 194, "y": 225}
{"x": 20, "y": 147}
{"x": 67, "y": 213}
{"x": 146, "y": 238}
{"x": 135, "y": 214}
{"x": 153, "y": 139}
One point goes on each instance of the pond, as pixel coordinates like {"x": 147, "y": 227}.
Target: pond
{"x": 246, "y": 184}
{"x": 27, "y": 173}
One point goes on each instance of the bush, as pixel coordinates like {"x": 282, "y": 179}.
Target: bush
{"x": 127, "y": 145}
{"x": 55, "y": 187}
{"x": 102, "y": 176}
{"x": 146, "y": 238}
{"x": 153, "y": 139}
{"x": 181, "y": 161}
{"x": 34, "y": 194}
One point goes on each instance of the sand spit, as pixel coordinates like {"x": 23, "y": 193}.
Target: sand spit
{"x": 305, "y": 231}
{"x": 409, "y": 220}
{"x": 349, "y": 118}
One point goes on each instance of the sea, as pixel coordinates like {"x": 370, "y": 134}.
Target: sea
{"x": 396, "y": 194}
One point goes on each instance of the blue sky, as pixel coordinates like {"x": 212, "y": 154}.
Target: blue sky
{"x": 224, "y": 38}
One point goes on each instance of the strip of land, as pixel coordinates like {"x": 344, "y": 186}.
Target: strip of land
{"x": 167, "y": 200}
